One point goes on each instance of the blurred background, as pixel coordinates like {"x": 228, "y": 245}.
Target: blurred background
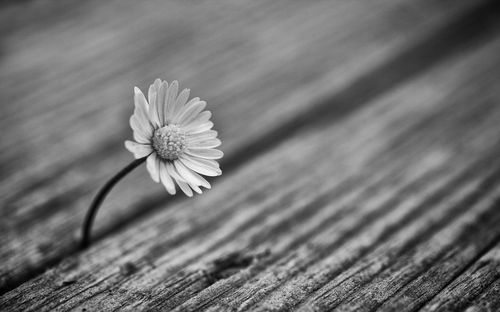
{"x": 266, "y": 68}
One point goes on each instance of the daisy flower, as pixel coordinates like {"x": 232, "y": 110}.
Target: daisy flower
{"x": 176, "y": 136}
{"x": 175, "y": 139}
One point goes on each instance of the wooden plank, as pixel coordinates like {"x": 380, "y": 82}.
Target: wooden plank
{"x": 488, "y": 301}
{"x": 477, "y": 287}
{"x": 261, "y": 67}
{"x": 408, "y": 282}
{"x": 410, "y": 183}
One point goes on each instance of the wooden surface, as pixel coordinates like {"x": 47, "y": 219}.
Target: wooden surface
{"x": 361, "y": 168}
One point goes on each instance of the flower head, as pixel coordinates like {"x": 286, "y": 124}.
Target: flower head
{"x": 176, "y": 137}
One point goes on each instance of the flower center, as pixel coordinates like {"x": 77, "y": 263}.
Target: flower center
{"x": 169, "y": 142}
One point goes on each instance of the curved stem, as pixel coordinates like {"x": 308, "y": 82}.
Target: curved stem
{"x": 96, "y": 203}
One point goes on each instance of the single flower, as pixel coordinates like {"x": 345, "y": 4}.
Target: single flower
{"x": 175, "y": 139}
{"x": 176, "y": 136}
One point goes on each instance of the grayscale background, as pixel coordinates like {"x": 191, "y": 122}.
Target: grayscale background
{"x": 361, "y": 167}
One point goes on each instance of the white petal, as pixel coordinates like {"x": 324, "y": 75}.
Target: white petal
{"x": 179, "y": 105}
{"x": 202, "y": 117}
{"x": 196, "y": 188}
{"x": 188, "y": 175}
{"x": 204, "y": 182}
{"x": 139, "y": 137}
{"x": 182, "y": 99}
{"x": 160, "y": 101}
{"x": 153, "y": 110}
{"x": 139, "y": 150}
{"x": 153, "y": 90}
{"x": 166, "y": 179}
{"x": 170, "y": 98}
{"x": 201, "y": 166}
{"x": 145, "y": 131}
{"x": 141, "y": 117}
{"x": 180, "y": 109}
{"x": 200, "y": 137}
{"x": 212, "y": 143}
{"x": 173, "y": 173}
{"x": 198, "y": 128}
{"x": 191, "y": 112}
{"x": 153, "y": 166}
{"x": 185, "y": 188}
{"x": 141, "y": 106}
{"x": 205, "y": 153}
{"x": 206, "y": 162}
{"x": 173, "y": 91}
{"x": 182, "y": 180}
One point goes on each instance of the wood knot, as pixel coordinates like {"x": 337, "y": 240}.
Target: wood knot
{"x": 128, "y": 268}
{"x": 232, "y": 263}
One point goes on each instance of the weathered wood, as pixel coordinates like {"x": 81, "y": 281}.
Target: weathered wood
{"x": 489, "y": 300}
{"x": 475, "y": 286}
{"x": 358, "y": 214}
{"x": 264, "y": 69}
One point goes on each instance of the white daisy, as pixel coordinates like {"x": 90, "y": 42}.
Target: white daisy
{"x": 176, "y": 137}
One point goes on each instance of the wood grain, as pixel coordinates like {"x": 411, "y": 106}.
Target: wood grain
{"x": 474, "y": 287}
{"x": 386, "y": 208}
{"x": 267, "y": 71}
